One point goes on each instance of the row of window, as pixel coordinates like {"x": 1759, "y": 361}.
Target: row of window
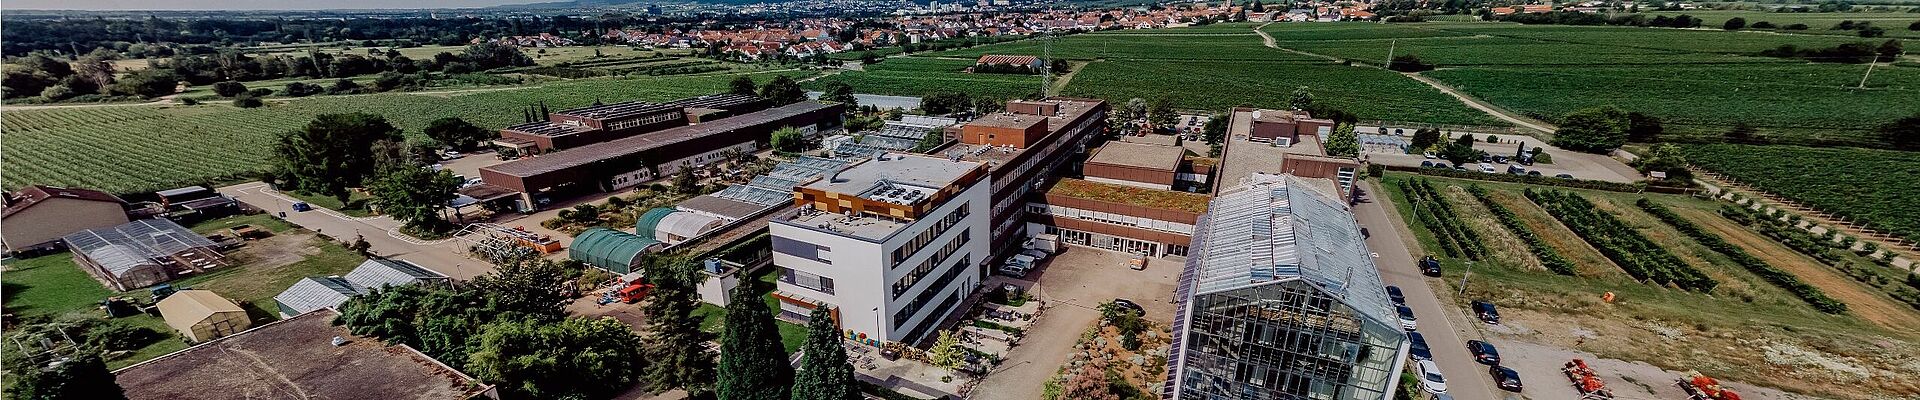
{"x": 1111, "y": 218}
{"x": 926, "y": 237}
{"x": 801, "y": 249}
{"x": 806, "y": 280}
{"x": 906, "y": 313}
{"x": 926, "y": 267}
{"x": 644, "y": 121}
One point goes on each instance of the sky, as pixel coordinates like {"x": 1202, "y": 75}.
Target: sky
{"x": 247, "y": 4}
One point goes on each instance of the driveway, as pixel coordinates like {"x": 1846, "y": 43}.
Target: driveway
{"x": 447, "y": 257}
{"x": 1072, "y": 284}
{"x": 1580, "y": 165}
{"x": 1446, "y": 327}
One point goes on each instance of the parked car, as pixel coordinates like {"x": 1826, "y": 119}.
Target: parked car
{"x": 1533, "y": 173}
{"x": 451, "y": 155}
{"x": 1506, "y": 378}
{"x": 1486, "y": 168}
{"x": 1406, "y": 318}
{"x": 1430, "y": 378}
{"x": 1130, "y": 305}
{"x": 1417, "y": 347}
{"x": 1483, "y": 352}
{"x": 1500, "y": 159}
{"x": 1429, "y": 155}
{"x": 1459, "y": 167}
{"x": 1485, "y": 158}
{"x": 1430, "y": 266}
{"x": 1393, "y": 293}
{"x": 1486, "y": 312}
{"x": 1426, "y": 164}
{"x": 1564, "y": 176}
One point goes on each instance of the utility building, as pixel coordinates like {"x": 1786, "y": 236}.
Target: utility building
{"x": 1280, "y": 300}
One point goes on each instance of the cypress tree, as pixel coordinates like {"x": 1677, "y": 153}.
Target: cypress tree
{"x": 753, "y": 364}
{"x": 675, "y": 344}
{"x": 825, "y": 373}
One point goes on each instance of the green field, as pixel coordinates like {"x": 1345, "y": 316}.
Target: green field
{"x": 1874, "y": 186}
{"x": 1218, "y": 85}
{"x": 1167, "y": 44}
{"x": 127, "y": 149}
{"x": 916, "y": 76}
{"x": 1817, "y": 23}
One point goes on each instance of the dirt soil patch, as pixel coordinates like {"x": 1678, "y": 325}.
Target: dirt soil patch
{"x": 1867, "y": 303}
{"x": 1586, "y": 258}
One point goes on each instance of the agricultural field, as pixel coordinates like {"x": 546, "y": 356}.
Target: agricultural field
{"x": 1224, "y": 28}
{"x": 917, "y": 76}
{"x": 1372, "y": 94}
{"x": 127, "y": 149}
{"x": 1745, "y": 329}
{"x": 1874, "y": 186}
{"x": 544, "y": 56}
{"x": 1353, "y": 31}
{"x": 1817, "y": 23}
{"x": 1168, "y": 44}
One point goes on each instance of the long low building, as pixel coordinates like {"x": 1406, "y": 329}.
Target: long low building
{"x": 628, "y": 162}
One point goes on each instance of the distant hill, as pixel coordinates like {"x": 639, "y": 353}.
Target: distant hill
{"x": 616, "y": 3}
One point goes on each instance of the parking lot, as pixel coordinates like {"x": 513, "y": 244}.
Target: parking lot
{"x": 1073, "y": 283}
{"x": 1580, "y": 165}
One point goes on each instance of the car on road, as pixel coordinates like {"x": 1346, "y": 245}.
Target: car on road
{"x": 1430, "y": 378}
{"x": 1483, "y": 352}
{"x": 1130, "y": 305}
{"x": 1533, "y": 173}
{"x": 1399, "y": 298}
{"x": 1487, "y": 313}
{"x": 1429, "y": 155}
{"x": 1430, "y": 266}
{"x": 1486, "y": 168}
{"x": 1500, "y": 159}
{"x": 1426, "y": 164}
{"x": 1564, "y": 176}
{"x": 1417, "y": 347}
{"x": 1506, "y": 378}
{"x": 1406, "y": 318}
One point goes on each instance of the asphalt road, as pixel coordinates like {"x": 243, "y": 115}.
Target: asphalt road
{"x": 446, "y": 257}
{"x": 1446, "y": 326}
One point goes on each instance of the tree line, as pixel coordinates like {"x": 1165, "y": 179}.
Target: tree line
{"x": 54, "y": 79}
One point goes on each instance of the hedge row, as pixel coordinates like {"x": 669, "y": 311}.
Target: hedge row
{"x": 1454, "y": 237}
{"x": 1527, "y": 179}
{"x": 1548, "y": 257}
{"x": 1783, "y": 279}
{"x": 1641, "y": 258}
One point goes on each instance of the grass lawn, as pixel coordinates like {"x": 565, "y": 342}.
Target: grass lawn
{"x": 255, "y": 285}
{"x": 53, "y": 286}
{"x": 356, "y": 204}
{"x": 262, "y": 221}
{"x": 791, "y": 335}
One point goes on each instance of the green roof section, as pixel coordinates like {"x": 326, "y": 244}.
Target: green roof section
{"x": 650, "y": 220}
{"x": 609, "y": 249}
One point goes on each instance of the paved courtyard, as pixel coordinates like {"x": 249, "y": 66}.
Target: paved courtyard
{"x": 1072, "y": 284}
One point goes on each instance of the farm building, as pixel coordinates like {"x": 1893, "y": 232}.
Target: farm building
{"x": 303, "y": 357}
{"x": 611, "y": 250}
{"x": 38, "y": 216}
{"x": 142, "y": 253}
{"x": 314, "y": 293}
{"x": 202, "y": 315}
{"x": 196, "y": 203}
{"x": 631, "y": 161}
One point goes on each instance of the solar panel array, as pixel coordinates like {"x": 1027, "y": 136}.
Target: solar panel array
{"x": 776, "y": 186}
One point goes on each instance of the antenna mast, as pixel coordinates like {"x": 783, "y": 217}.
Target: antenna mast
{"x": 1046, "y": 63}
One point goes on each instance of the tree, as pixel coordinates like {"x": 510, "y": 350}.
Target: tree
{"x": 149, "y": 83}
{"x": 783, "y": 91}
{"x": 932, "y": 140}
{"x": 685, "y": 182}
{"x": 1089, "y": 382}
{"x": 458, "y": 133}
{"x": 1161, "y": 112}
{"x": 1741, "y": 132}
{"x": 574, "y": 358}
{"x": 360, "y": 246}
{"x": 532, "y": 289}
{"x": 1666, "y": 158}
{"x": 946, "y": 352}
{"x": 247, "y": 100}
{"x": 675, "y": 343}
{"x": 741, "y": 85}
{"x": 1408, "y": 63}
{"x": 1136, "y": 108}
{"x": 1643, "y": 128}
{"x": 81, "y": 376}
{"x": 415, "y": 195}
{"x": 333, "y": 152}
{"x": 825, "y": 373}
{"x": 1461, "y": 151}
{"x": 942, "y": 103}
{"x": 1592, "y": 130}
{"x": 788, "y": 140}
{"x": 301, "y": 89}
{"x": 229, "y": 88}
{"x": 1215, "y": 129}
{"x": 489, "y": 55}
{"x": 1903, "y": 133}
{"x": 1424, "y": 138}
{"x": 1890, "y": 50}
{"x": 1915, "y": 26}
{"x": 840, "y": 92}
{"x": 1734, "y": 24}
{"x": 1302, "y": 98}
{"x": 753, "y": 365}
{"x": 1343, "y": 142}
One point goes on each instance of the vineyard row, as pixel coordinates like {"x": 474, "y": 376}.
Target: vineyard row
{"x": 1640, "y": 257}
{"x": 1783, "y": 279}
{"x": 1548, "y": 256}
{"x": 1432, "y": 210}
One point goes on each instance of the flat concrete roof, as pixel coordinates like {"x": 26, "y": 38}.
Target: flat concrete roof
{"x": 295, "y": 358}
{"x": 591, "y": 153}
{"x": 1157, "y": 157}
{"x": 1242, "y": 157}
{"x": 898, "y": 169}
{"x": 1008, "y": 120}
{"x": 1070, "y": 109}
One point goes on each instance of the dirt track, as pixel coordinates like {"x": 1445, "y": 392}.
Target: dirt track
{"x": 1861, "y": 301}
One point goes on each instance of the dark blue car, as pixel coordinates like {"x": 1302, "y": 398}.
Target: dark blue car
{"x": 1417, "y": 347}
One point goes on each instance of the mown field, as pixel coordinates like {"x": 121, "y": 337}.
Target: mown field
{"x": 127, "y": 149}
{"x": 1165, "y": 44}
{"x": 1875, "y": 186}
{"x": 916, "y": 76}
{"x": 1727, "y": 329}
{"x": 1218, "y": 85}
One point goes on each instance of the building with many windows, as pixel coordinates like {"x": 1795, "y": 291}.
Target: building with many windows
{"x": 1117, "y": 217}
{"x": 893, "y": 243}
{"x": 1280, "y": 300}
{"x": 1024, "y": 147}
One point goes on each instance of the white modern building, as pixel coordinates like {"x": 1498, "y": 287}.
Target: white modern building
{"x": 892, "y": 244}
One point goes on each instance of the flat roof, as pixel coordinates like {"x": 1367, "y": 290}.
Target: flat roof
{"x": 1008, "y": 120}
{"x": 544, "y": 128}
{"x": 1123, "y": 194}
{"x": 892, "y": 178}
{"x": 1165, "y": 158}
{"x": 299, "y": 356}
{"x": 588, "y": 154}
{"x": 716, "y": 101}
{"x": 1243, "y": 157}
{"x": 618, "y": 110}
{"x": 1070, "y": 109}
